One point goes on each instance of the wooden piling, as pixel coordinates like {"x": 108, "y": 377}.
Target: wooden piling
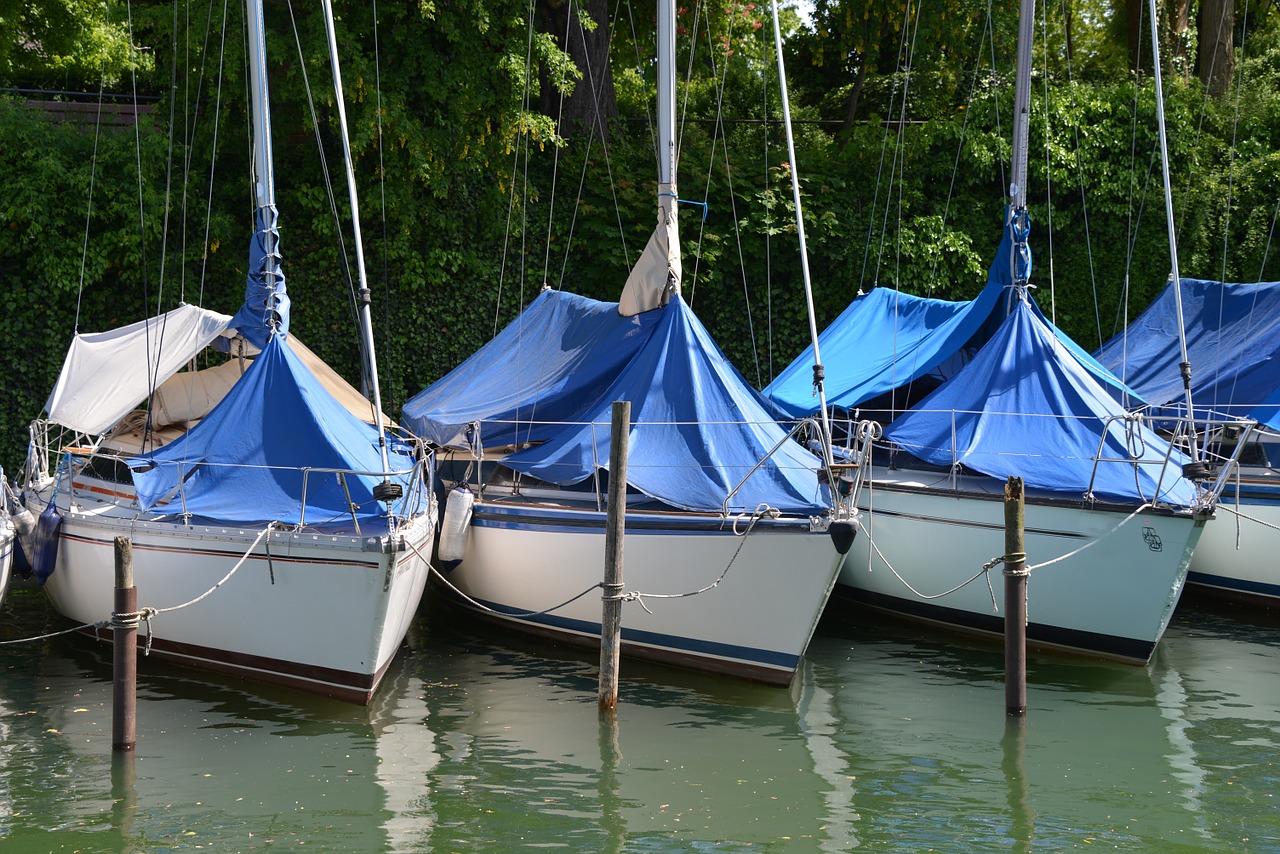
{"x": 611, "y": 616}
{"x": 124, "y": 628}
{"x": 1015, "y": 600}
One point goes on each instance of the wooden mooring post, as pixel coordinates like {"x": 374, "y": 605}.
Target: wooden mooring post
{"x": 611, "y": 616}
{"x": 1015, "y": 601}
{"x": 124, "y": 631}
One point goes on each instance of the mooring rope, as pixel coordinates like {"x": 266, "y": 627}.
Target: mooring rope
{"x": 759, "y": 513}
{"x": 440, "y": 575}
{"x": 1235, "y": 511}
{"x": 985, "y": 571}
{"x": 131, "y": 619}
{"x": 1125, "y": 521}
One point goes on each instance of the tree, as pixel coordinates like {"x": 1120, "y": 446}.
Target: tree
{"x": 64, "y": 44}
{"x": 1217, "y": 63}
{"x": 582, "y": 31}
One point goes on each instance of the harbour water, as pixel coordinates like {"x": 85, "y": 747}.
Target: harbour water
{"x": 893, "y": 738}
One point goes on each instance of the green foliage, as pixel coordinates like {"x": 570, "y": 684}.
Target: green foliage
{"x": 484, "y": 203}
{"x": 67, "y": 44}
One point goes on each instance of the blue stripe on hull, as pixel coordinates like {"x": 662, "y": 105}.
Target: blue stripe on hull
{"x": 679, "y": 645}
{"x": 1236, "y": 587}
{"x": 1125, "y": 649}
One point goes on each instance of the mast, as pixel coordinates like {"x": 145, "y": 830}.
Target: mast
{"x": 265, "y": 311}
{"x": 1175, "y": 276}
{"x": 386, "y": 491}
{"x": 818, "y": 372}
{"x": 264, "y": 185}
{"x": 655, "y": 278}
{"x": 667, "y": 110}
{"x": 1018, "y": 220}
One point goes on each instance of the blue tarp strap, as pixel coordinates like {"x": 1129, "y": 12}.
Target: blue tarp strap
{"x": 702, "y": 205}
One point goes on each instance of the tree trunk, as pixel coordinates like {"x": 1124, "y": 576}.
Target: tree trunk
{"x": 1217, "y": 46}
{"x": 593, "y": 101}
{"x": 1179, "y": 12}
{"x": 851, "y": 106}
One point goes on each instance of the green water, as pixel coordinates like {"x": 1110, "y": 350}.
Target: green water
{"x": 480, "y": 742}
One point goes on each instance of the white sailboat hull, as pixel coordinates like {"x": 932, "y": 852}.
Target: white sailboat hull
{"x": 1236, "y": 557}
{"x": 320, "y": 612}
{"x": 8, "y": 543}
{"x": 1113, "y": 599}
{"x": 524, "y": 558}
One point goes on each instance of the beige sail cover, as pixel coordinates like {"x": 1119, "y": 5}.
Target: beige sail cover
{"x": 190, "y": 395}
{"x": 655, "y": 278}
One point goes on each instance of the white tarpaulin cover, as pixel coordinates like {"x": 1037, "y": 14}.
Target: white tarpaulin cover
{"x": 105, "y": 374}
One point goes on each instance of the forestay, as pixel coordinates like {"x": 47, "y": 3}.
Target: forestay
{"x": 1026, "y": 407}
{"x": 243, "y": 462}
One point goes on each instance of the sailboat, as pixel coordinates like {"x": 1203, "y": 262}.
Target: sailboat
{"x": 8, "y": 537}
{"x": 1111, "y": 521}
{"x": 1233, "y": 340}
{"x": 279, "y": 530}
{"x": 728, "y": 561}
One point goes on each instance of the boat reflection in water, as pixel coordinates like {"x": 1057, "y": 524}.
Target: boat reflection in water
{"x": 483, "y": 741}
{"x": 214, "y": 765}
{"x": 1176, "y": 753}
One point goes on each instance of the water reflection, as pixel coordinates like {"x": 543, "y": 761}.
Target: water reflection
{"x": 480, "y": 741}
{"x": 213, "y": 764}
{"x": 689, "y": 760}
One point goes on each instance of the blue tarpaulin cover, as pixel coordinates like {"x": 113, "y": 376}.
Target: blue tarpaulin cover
{"x": 266, "y": 300}
{"x": 698, "y": 430}
{"x": 881, "y": 341}
{"x": 698, "y": 427}
{"x": 548, "y": 365}
{"x": 1026, "y": 407}
{"x": 1233, "y": 344}
{"x": 242, "y": 461}
{"x": 886, "y": 339}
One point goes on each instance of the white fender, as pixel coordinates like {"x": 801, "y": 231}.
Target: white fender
{"x": 453, "y": 530}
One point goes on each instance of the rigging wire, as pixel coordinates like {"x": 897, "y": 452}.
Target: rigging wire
{"x": 382, "y": 193}
{"x": 521, "y": 145}
{"x": 328, "y": 188}
{"x": 1266, "y": 249}
{"x": 964, "y": 128}
{"x": 88, "y": 216}
{"x": 1084, "y": 203}
{"x": 768, "y": 221}
{"x": 1231, "y": 171}
{"x": 213, "y": 155}
{"x": 168, "y": 172}
{"x": 902, "y": 148}
{"x": 904, "y": 60}
{"x": 1048, "y": 162}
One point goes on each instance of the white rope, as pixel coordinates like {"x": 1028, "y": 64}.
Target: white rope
{"x": 483, "y": 607}
{"x": 50, "y": 635}
{"x": 986, "y": 570}
{"x": 1091, "y": 543}
{"x": 1240, "y": 515}
{"x": 131, "y": 619}
{"x": 760, "y": 512}
{"x": 147, "y": 613}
